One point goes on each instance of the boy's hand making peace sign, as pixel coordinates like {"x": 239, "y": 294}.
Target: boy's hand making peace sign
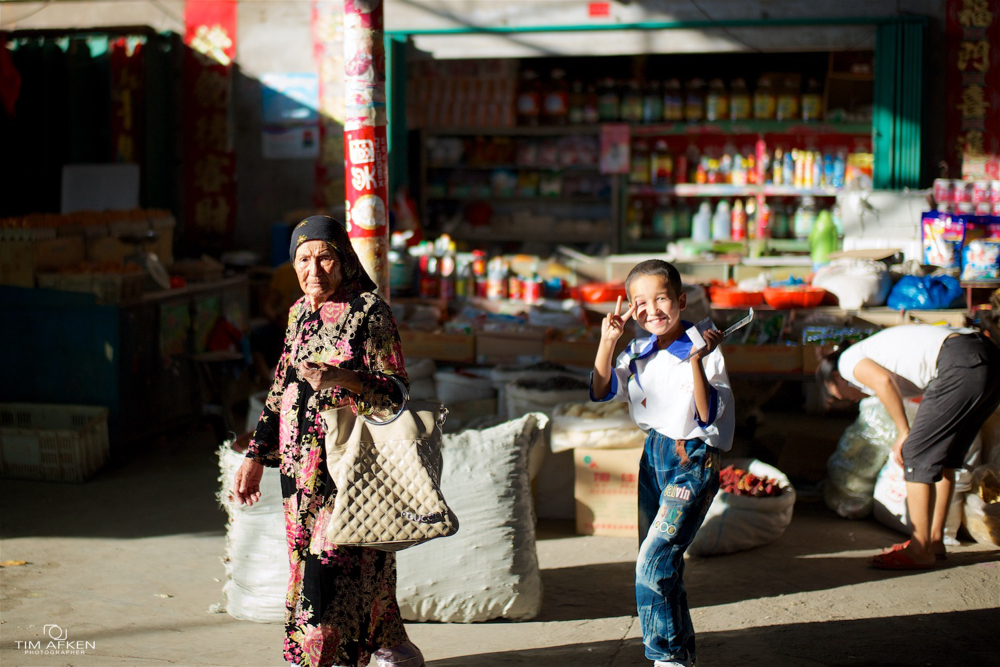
{"x": 613, "y": 325}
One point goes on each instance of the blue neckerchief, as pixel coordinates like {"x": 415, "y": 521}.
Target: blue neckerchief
{"x": 680, "y": 349}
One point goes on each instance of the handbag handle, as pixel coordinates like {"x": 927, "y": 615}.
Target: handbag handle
{"x": 441, "y": 418}
{"x": 402, "y": 406}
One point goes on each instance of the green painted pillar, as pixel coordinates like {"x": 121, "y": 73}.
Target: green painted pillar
{"x": 898, "y": 108}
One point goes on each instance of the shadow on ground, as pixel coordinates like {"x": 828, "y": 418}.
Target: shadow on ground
{"x": 896, "y": 641}
{"x": 167, "y": 488}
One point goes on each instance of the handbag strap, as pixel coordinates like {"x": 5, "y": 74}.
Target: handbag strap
{"x": 402, "y": 406}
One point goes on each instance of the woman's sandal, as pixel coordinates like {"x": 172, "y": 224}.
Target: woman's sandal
{"x": 897, "y": 560}
{"x": 903, "y": 545}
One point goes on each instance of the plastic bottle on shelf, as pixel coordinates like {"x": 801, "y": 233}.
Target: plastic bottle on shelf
{"x": 739, "y": 173}
{"x": 776, "y": 172}
{"x": 447, "y": 269}
{"x": 576, "y": 102}
{"x": 788, "y": 99}
{"x": 631, "y": 103}
{"x": 817, "y": 169}
{"x": 608, "y": 103}
{"x": 496, "y": 279}
{"x": 528, "y": 99}
{"x": 634, "y": 219}
{"x": 739, "y": 221}
{"x": 764, "y": 100}
{"x": 701, "y": 224}
{"x": 763, "y": 222}
{"x": 694, "y": 100}
{"x": 673, "y": 101}
{"x": 591, "y": 105}
{"x": 788, "y": 168}
{"x": 665, "y": 219}
{"x": 717, "y": 101}
{"x": 683, "y": 220}
{"x": 722, "y": 221}
{"x": 652, "y": 103}
{"x": 823, "y": 239}
{"x": 555, "y": 102}
{"x": 740, "y": 104}
{"x": 805, "y": 217}
{"x": 839, "y": 169}
{"x": 812, "y": 101}
{"x": 640, "y": 169}
{"x": 661, "y": 164}
{"x": 779, "y": 221}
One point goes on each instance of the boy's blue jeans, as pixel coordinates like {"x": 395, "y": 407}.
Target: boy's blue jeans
{"x": 675, "y": 491}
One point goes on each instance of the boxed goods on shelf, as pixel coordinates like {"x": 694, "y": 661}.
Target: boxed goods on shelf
{"x": 66, "y": 443}
{"x": 22, "y": 258}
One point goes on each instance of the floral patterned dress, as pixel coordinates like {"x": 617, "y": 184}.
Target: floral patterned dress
{"x": 341, "y": 602}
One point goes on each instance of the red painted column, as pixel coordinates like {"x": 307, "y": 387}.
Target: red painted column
{"x": 365, "y": 147}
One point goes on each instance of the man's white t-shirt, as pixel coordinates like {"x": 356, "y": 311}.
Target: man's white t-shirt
{"x": 910, "y": 352}
{"x": 659, "y": 387}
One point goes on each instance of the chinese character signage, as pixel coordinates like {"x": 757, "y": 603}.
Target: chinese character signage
{"x": 973, "y": 76}
{"x": 126, "y": 100}
{"x": 209, "y": 159}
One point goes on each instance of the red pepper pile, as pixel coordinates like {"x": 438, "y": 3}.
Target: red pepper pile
{"x": 741, "y": 483}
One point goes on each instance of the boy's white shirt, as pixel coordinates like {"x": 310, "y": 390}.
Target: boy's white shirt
{"x": 659, "y": 388}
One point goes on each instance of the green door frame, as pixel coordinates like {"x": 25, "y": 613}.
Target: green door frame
{"x": 899, "y": 65}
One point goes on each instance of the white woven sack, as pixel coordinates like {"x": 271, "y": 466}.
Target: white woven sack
{"x": 982, "y": 520}
{"x": 604, "y": 425}
{"x": 737, "y": 523}
{"x": 855, "y": 282}
{"x": 490, "y": 568}
{"x": 256, "y": 557}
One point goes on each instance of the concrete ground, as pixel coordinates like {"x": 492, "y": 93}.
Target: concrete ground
{"x": 128, "y": 565}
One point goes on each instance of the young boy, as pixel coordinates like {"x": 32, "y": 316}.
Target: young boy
{"x": 686, "y": 406}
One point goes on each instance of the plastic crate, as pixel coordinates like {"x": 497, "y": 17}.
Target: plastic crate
{"x": 66, "y": 443}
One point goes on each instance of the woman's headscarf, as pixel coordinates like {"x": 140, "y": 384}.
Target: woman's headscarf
{"x": 323, "y": 228}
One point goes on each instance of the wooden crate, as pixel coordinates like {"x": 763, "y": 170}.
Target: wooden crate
{"x": 459, "y": 348}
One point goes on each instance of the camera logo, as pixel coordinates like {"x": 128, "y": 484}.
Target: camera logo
{"x": 55, "y": 632}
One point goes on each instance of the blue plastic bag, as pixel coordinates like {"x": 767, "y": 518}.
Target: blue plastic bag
{"x": 927, "y": 293}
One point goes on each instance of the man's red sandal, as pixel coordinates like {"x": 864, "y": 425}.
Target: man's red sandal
{"x": 897, "y": 560}
{"x": 903, "y": 545}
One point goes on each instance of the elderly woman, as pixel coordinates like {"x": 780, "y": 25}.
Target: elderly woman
{"x": 341, "y": 348}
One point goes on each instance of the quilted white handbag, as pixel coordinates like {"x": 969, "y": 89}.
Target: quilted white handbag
{"x": 387, "y": 476}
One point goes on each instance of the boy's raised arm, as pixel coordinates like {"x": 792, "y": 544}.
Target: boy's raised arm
{"x": 612, "y": 328}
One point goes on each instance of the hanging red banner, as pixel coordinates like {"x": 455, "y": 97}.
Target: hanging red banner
{"x": 126, "y": 101}
{"x": 209, "y": 158}
{"x": 972, "y": 29}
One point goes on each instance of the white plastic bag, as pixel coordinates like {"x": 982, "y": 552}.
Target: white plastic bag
{"x": 256, "y": 557}
{"x": 855, "y": 282}
{"x": 604, "y": 425}
{"x": 861, "y": 453}
{"x": 737, "y": 523}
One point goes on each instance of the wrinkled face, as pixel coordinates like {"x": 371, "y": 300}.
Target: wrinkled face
{"x": 318, "y": 270}
{"x": 657, "y": 308}
{"x": 842, "y": 390}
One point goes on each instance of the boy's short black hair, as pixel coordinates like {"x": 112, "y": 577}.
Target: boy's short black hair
{"x": 656, "y": 267}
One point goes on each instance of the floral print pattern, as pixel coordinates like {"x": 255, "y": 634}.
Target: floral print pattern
{"x": 341, "y": 601}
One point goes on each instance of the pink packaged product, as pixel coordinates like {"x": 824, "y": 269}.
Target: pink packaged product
{"x": 981, "y": 251}
{"x": 943, "y": 235}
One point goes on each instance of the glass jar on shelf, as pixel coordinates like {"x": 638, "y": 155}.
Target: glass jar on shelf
{"x": 717, "y": 101}
{"x": 740, "y": 104}
{"x": 694, "y": 100}
{"x": 673, "y": 101}
{"x": 765, "y": 101}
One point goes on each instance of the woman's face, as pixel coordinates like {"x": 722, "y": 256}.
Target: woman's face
{"x": 318, "y": 270}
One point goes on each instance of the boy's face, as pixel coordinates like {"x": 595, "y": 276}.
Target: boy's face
{"x": 657, "y": 308}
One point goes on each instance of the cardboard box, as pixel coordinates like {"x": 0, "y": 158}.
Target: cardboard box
{"x": 21, "y": 260}
{"x": 607, "y": 491}
{"x": 511, "y": 347}
{"x": 763, "y": 358}
{"x": 438, "y": 346}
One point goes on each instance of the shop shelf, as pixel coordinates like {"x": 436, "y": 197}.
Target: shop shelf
{"x": 750, "y": 127}
{"x": 66, "y": 443}
{"x": 726, "y": 190}
{"x": 519, "y": 167}
{"x": 567, "y": 200}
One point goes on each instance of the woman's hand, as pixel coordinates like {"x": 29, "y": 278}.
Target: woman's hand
{"x": 246, "y": 485}
{"x": 323, "y": 376}
{"x": 712, "y": 338}
{"x": 613, "y": 325}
